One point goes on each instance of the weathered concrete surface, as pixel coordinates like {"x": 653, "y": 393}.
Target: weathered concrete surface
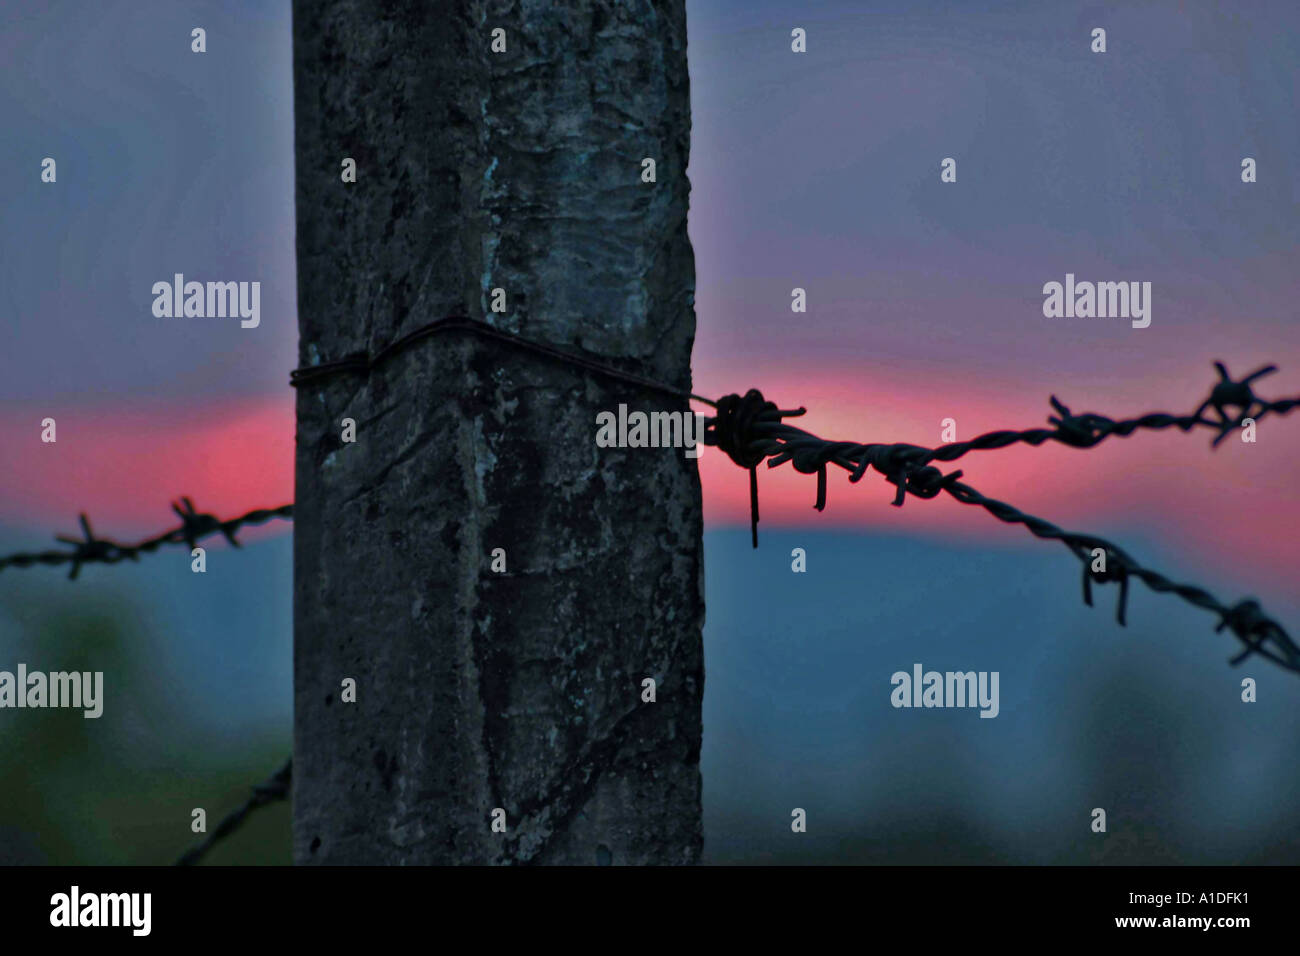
{"x": 479, "y": 690}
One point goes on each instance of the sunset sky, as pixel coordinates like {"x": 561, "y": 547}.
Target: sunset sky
{"x": 819, "y": 171}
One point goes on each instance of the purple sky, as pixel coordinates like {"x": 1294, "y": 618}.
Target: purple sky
{"x": 817, "y": 170}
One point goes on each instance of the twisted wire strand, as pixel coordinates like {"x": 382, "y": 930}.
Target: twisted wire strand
{"x": 750, "y": 430}
{"x": 362, "y": 363}
{"x": 1246, "y": 619}
{"x": 1089, "y": 430}
{"x": 273, "y": 790}
{"x": 195, "y": 526}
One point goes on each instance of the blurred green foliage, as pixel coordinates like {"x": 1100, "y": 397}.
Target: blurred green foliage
{"x": 118, "y": 789}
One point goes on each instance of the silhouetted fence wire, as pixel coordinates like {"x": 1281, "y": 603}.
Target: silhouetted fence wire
{"x": 194, "y": 527}
{"x": 750, "y": 430}
{"x": 275, "y": 789}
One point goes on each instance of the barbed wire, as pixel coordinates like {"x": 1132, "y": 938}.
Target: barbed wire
{"x": 364, "y": 363}
{"x": 1089, "y": 430}
{"x": 749, "y": 430}
{"x": 195, "y": 526}
{"x": 275, "y": 789}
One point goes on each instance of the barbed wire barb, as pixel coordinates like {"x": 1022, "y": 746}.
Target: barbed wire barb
{"x": 749, "y": 429}
{"x": 195, "y": 526}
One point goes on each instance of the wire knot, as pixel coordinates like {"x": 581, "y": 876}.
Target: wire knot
{"x": 904, "y": 468}
{"x": 733, "y": 430}
{"x": 90, "y": 549}
{"x": 196, "y": 524}
{"x": 1247, "y": 620}
{"x": 1237, "y": 395}
{"x": 925, "y": 481}
{"x": 1114, "y": 572}
{"x": 1078, "y": 431}
{"x": 275, "y": 788}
